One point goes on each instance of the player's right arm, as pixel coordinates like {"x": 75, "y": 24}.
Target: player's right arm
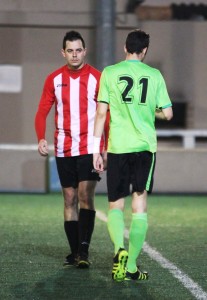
{"x": 43, "y": 147}
{"x": 45, "y": 104}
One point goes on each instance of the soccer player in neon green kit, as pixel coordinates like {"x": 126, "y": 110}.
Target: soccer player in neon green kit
{"x": 135, "y": 94}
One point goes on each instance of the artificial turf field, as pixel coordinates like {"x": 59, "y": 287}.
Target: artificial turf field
{"x": 33, "y": 248}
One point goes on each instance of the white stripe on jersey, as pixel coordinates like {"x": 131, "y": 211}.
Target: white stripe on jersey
{"x": 61, "y": 134}
{"x": 92, "y": 82}
{"x": 75, "y": 115}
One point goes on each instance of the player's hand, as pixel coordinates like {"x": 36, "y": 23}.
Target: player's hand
{"x": 104, "y": 155}
{"x": 43, "y": 147}
{"x": 98, "y": 162}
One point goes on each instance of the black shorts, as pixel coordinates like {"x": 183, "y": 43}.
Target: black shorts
{"x": 72, "y": 170}
{"x": 123, "y": 170}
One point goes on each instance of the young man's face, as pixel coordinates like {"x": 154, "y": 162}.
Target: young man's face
{"x": 74, "y": 53}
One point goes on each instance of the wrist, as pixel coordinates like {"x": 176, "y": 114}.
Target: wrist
{"x": 96, "y": 144}
{"x": 41, "y": 140}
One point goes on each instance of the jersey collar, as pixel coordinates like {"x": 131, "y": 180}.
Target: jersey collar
{"x": 133, "y": 60}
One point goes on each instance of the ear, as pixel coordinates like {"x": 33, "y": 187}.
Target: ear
{"x": 63, "y": 52}
{"x": 125, "y": 50}
{"x": 144, "y": 51}
{"x": 85, "y": 51}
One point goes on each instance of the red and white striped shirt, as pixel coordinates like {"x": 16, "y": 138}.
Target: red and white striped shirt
{"x": 74, "y": 94}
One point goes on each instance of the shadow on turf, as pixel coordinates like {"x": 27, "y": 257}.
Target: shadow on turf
{"x": 81, "y": 284}
{"x": 73, "y": 283}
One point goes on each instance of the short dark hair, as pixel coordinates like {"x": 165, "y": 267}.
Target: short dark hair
{"x": 136, "y": 41}
{"x": 72, "y": 36}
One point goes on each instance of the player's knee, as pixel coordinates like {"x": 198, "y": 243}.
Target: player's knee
{"x": 70, "y": 198}
{"x": 86, "y": 201}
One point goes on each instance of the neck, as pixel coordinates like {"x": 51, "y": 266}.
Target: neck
{"x": 75, "y": 68}
{"x": 135, "y": 56}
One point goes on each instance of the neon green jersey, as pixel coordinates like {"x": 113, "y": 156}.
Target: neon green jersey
{"x": 133, "y": 91}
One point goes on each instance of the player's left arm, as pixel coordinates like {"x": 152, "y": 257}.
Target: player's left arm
{"x": 164, "y": 113}
{"x": 164, "y": 106}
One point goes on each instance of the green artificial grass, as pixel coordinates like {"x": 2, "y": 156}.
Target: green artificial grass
{"x": 33, "y": 248}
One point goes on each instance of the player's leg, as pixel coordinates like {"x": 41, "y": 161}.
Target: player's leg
{"x": 118, "y": 188}
{"x": 115, "y": 223}
{"x": 86, "y": 220}
{"x": 137, "y": 234}
{"x": 71, "y": 223}
{"x": 68, "y": 180}
{"x": 142, "y": 168}
{"x": 86, "y": 191}
{"x": 116, "y": 226}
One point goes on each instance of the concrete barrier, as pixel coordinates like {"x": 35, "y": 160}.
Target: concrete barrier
{"x": 177, "y": 171}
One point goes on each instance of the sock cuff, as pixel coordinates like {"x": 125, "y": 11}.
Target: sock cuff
{"x": 70, "y": 225}
{"x": 86, "y": 212}
{"x": 71, "y": 222}
{"x": 115, "y": 211}
{"x": 139, "y": 216}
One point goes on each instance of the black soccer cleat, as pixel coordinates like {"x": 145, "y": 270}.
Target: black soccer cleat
{"x": 82, "y": 261}
{"x": 70, "y": 261}
{"x": 138, "y": 275}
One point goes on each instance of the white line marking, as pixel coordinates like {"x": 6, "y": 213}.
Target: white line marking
{"x": 188, "y": 283}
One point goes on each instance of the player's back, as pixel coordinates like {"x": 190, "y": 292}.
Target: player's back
{"x": 132, "y": 89}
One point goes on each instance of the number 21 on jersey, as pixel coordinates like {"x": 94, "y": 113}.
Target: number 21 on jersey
{"x": 127, "y": 93}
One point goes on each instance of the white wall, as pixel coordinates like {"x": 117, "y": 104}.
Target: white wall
{"x": 31, "y": 34}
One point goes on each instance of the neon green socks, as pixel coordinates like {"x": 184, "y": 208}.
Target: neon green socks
{"x": 115, "y": 225}
{"x": 137, "y": 234}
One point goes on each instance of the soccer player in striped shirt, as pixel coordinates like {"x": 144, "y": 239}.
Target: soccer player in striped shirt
{"x": 136, "y": 93}
{"x": 73, "y": 90}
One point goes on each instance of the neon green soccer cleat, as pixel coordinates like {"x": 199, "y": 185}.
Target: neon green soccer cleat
{"x": 119, "y": 266}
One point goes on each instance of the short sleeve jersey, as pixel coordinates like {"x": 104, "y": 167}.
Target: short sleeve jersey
{"x": 133, "y": 91}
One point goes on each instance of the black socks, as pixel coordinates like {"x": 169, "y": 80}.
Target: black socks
{"x": 79, "y": 233}
{"x": 72, "y": 233}
{"x": 86, "y": 227}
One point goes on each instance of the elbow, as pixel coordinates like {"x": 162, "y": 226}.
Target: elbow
{"x": 100, "y": 115}
{"x": 168, "y": 113}
{"x": 169, "y": 116}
